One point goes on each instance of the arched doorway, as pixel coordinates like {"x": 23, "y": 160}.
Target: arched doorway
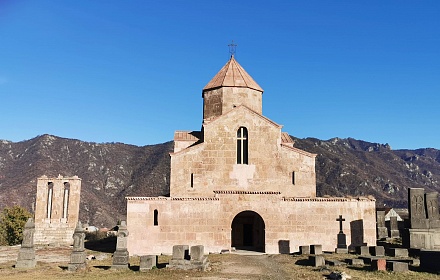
{"x": 247, "y": 231}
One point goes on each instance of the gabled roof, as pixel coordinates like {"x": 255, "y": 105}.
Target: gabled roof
{"x": 232, "y": 75}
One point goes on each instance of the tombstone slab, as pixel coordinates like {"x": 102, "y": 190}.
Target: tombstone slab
{"x": 379, "y": 264}
{"x": 398, "y": 252}
{"x": 355, "y": 261}
{"x": 416, "y": 207}
{"x": 147, "y": 262}
{"x": 382, "y": 231}
{"x": 304, "y": 250}
{"x": 396, "y": 266}
{"x": 316, "y": 260}
{"x": 394, "y": 228}
{"x": 316, "y": 249}
{"x": 377, "y": 251}
{"x": 363, "y": 250}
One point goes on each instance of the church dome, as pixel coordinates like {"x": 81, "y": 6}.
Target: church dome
{"x": 232, "y": 75}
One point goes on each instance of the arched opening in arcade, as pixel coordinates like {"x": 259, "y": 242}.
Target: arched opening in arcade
{"x": 247, "y": 232}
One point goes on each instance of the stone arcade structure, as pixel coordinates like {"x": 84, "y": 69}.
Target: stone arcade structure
{"x": 56, "y": 210}
{"x": 240, "y": 182}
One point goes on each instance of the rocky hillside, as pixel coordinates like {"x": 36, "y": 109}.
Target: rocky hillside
{"x": 111, "y": 171}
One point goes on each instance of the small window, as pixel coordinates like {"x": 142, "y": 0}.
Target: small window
{"x": 293, "y": 177}
{"x": 192, "y": 180}
{"x": 156, "y": 214}
{"x": 242, "y": 145}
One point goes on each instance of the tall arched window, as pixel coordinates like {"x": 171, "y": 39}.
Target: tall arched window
{"x": 66, "y": 199}
{"x": 242, "y": 145}
{"x": 49, "y": 199}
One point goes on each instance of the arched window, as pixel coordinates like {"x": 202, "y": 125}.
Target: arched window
{"x": 66, "y": 199}
{"x": 156, "y": 213}
{"x": 242, "y": 145}
{"x": 49, "y": 199}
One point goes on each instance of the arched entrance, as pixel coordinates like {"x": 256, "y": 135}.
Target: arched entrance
{"x": 247, "y": 231}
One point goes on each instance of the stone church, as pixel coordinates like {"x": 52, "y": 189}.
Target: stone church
{"x": 241, "y": 183}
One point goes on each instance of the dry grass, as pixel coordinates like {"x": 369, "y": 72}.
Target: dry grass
{"x": 229, "y": 266}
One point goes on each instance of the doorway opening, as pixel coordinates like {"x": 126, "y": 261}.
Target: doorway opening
{"x": 247, "y": 232}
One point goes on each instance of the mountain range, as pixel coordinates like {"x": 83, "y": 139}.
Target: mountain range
{"x": 112, "y": 171}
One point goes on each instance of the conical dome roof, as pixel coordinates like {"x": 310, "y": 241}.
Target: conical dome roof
{"x": 232, "y": 75}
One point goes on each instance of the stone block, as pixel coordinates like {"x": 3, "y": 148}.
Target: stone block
{"x": 304, "y": 250}
{"x": 378, "y": 264}
{"x": 316, "y": 260}
{"x": 341, "y": 251}
{"x": 355, "y": 261}
{"x": 180, "y": 252}
{"x": 382, "y": 232}
{"x": 334, "y": 262}
{"x": 398, "y": 252}
{"x": 377, "y": 251}
{"x": 316, "y": 249}
{"x": 397, "y": 266}
{"x": 197, "y": 253}
{"x": 147, "y": 262}
{"x": 363, "y": 250}
{"x": 26, "y": 263}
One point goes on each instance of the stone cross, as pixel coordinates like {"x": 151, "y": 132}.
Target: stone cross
{"x": 416, "y": 205}
{"x": 340, "y": 220}
{"x": 26, "y": 255}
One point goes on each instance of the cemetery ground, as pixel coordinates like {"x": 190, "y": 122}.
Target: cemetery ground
{"x": 52, "y": 264}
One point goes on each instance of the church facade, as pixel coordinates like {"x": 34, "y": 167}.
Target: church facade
{"x": 241, "y": 183}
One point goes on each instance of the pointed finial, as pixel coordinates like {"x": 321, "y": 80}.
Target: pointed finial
{"x": 232, "y": 48}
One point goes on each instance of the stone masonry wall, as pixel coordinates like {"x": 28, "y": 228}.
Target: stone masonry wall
{"x": 211, "y": 165}
{"x": 207, "y": 221}
{"x": 220, "y": 101}
{"x": 56, "y": 211}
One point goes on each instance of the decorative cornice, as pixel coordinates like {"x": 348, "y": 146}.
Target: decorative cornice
{"x": 246, "y": 192}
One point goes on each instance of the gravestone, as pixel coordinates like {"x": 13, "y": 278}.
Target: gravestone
{"x": 382, "y": 231}
{"x": 147, "y": 262}
{"x": 26, "y": 255}
{"x": 424, "y": 232}
{"x": 432, "y": 209}
{"x": 316, "y": 260}
{"x": 377, "y": 251}
{"x": 341, "y": 247}
{"x": 78, "y": 255}
{"x": 363, "y": 250}
{"x": 355, "y": 261}
{"x": 304, "y": 250}
{"x": 182, "y": 260}
{"x": 394, "y": 228}
{"x": 416, "y": 203}
{"x": 398, "y": 252}
{"x": 379, "y": 264}
{"x": 396, "y": 266}
{"x": 316, "y": 249}
{"x": 121, "y": 256}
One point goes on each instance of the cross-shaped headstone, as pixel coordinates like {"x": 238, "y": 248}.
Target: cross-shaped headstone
{"x": 340, "y": 220}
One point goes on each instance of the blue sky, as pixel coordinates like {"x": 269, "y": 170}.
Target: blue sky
{"x": 133, "y": 71}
